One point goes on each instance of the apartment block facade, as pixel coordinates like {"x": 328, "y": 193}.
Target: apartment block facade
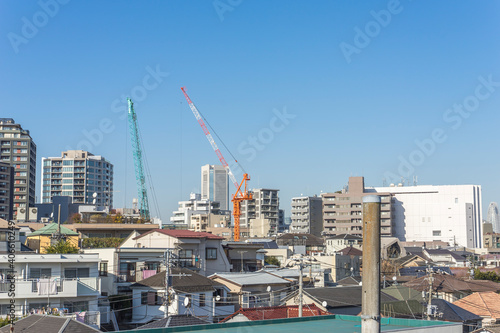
{"x": 263, "y": 207}
{"x": 307, "y": 215}
{"x": 18, "y": 149}
{"x": 78, "y": 174}
{"x": 6, "y": 191}
{"x": 215, "y": 185}
{"x": 343, "y": 212}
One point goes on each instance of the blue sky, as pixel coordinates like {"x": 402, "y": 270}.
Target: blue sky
{"x": 360, "y": 83}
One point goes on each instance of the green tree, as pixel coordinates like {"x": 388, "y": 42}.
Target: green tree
{"x": 491, "y": 275}
{"x": 62, "y": 247}
{"x": 272, "y": 261}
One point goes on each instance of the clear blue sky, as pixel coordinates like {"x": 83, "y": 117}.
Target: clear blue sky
{"x": 363, "y": 80}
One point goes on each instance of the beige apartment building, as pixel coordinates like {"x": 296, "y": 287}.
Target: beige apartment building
{"x": 343, "y": 212}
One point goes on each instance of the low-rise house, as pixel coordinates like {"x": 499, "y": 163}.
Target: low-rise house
{"x": 339, "y": 300}
{"x": 274, "y": 312}
{"x": 67, "y": 281}
{"x": 198, "y": 251}
{"x": 339, "y": 242}
{"x": 302, "y": 243}
{"x": 253, "y": 289}
{"x": 244, "y": 257}
{"x": 119, "y": 230}
{"x": 483, "y": 304}
{"x": 44, "y": 237}
{"x": 190, "y": 293}
{"x": 452, "y": 289}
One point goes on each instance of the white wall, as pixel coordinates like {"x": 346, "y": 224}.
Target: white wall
{"x": 453, "y": 210}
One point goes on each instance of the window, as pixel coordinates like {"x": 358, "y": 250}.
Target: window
{"x": 201, "y": 300}
{"x": 72, "y": 273}
{"x": 436, "y": 233}
{"x": 103, "y": 269}
{"x": 211, "y": 253}
{"x": 36, "y": 273}
{"x": 76, "y": 306}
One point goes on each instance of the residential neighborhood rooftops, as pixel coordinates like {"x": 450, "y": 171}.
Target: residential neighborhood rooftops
{"x": 182, "y": 234}
{"x": 484, "y": 304}
{"x": 350, "y": 251}
{"x": 175, "y": 321}
{"x": 277, "y": 312}
{"x": 48, "y": 324}
{"x": 250, "y": 278}
{"x": 183, "y": 280}
{"x": 450, "y": 284}
{"x": 52, "y": 228}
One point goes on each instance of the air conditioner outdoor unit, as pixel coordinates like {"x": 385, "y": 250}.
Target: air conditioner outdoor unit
{"x": 21, "y": 214}
{"x": 33, "y": 214}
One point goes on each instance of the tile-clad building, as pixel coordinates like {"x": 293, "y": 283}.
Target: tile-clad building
{"x": 343, "y": 212}
{"x": 307, "y": 216}
{"x": 18, "y": 149}
{"x": 78, "y": 174}
{"x": 6, "y": 191}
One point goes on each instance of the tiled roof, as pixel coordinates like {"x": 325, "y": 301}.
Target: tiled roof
{"x": 351, "y": 251}
{"x": 452, "y": 312}
{"x": 4, "y": 224}
{"x": 182, "y": 234}
{"x": 336, "y": 297}
{"x": 51, "y": 228}
{"x": 48, "y": 324}
{"x": 349, "y": 281}
{"x": 175, "y": 321}
{"x": 251, "y": 278}
{"x": 484, "y": 304}
{"x": 450, "y": 284}
{"x": 345, "y": 236}
{"x": 189, "y": 281}
{"x": 278, "y": 312}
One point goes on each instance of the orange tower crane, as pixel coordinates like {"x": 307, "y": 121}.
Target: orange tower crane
{"x": 241, "y": 188}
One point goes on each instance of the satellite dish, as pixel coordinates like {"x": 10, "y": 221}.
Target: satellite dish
{"x": 186, "y": 302}
{"x": 268, "y": 289}
{"x": 394, "y": 278}
{"x": 94, "y": 195}
{"x": 217, "y": 298}
{"x": 324, "y": 304}
{"x": 93, "y": 202}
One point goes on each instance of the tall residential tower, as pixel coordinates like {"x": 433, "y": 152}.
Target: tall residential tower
{"x": 78, "y": 174}
{"x": 19, "y": 150}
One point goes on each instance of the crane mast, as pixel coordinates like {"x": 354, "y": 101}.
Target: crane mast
{"x": 241, "y": 188}
{"x": 138, "y": 163}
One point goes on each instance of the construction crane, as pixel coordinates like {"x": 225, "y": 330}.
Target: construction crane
{"x": 138, "y": 163}
{"x": 242, "y": 192}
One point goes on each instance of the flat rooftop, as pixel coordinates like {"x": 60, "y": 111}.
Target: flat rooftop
{"x": 333, "y": 323}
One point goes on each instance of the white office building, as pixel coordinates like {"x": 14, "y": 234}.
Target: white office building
{"x": 194, "y": 206}
{"x": 307, "y": 215}
{"x": 215, "y": 185}
{"x": 450, "y": 213}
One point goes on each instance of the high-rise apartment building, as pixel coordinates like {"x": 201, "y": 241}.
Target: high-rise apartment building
{"x": 263, "y": 210}
{"x": 215, "y": 185}
{"x": 307, "y": 215}
{"x": 343, "y": 212}
{"x": 6, "y": 191}
{"x": 493, "y": 216}
{"x": 18, "y": 149}
{"x": 78, "y": 174}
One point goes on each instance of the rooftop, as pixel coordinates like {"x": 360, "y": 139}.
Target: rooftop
{"x": 182, "y": 234}
{"x": 52, "y": 228}
{"x": 48, "y": 324}
{"x": 341, "y": 323}
{"x": 250, "y": 278}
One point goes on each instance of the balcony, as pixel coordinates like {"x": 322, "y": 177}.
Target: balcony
{"x": 33, "y": 288}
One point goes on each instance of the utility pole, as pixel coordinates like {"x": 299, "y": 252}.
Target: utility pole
{"x": 166, "y": 257}
{"x": 429, "y": 301}
{"x": 370, "y": 315}
{"x": 241, "y": 254}
{"x": 301, "y": 295}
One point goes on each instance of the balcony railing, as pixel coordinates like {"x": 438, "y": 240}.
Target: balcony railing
{"x": 54, "y": 286}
